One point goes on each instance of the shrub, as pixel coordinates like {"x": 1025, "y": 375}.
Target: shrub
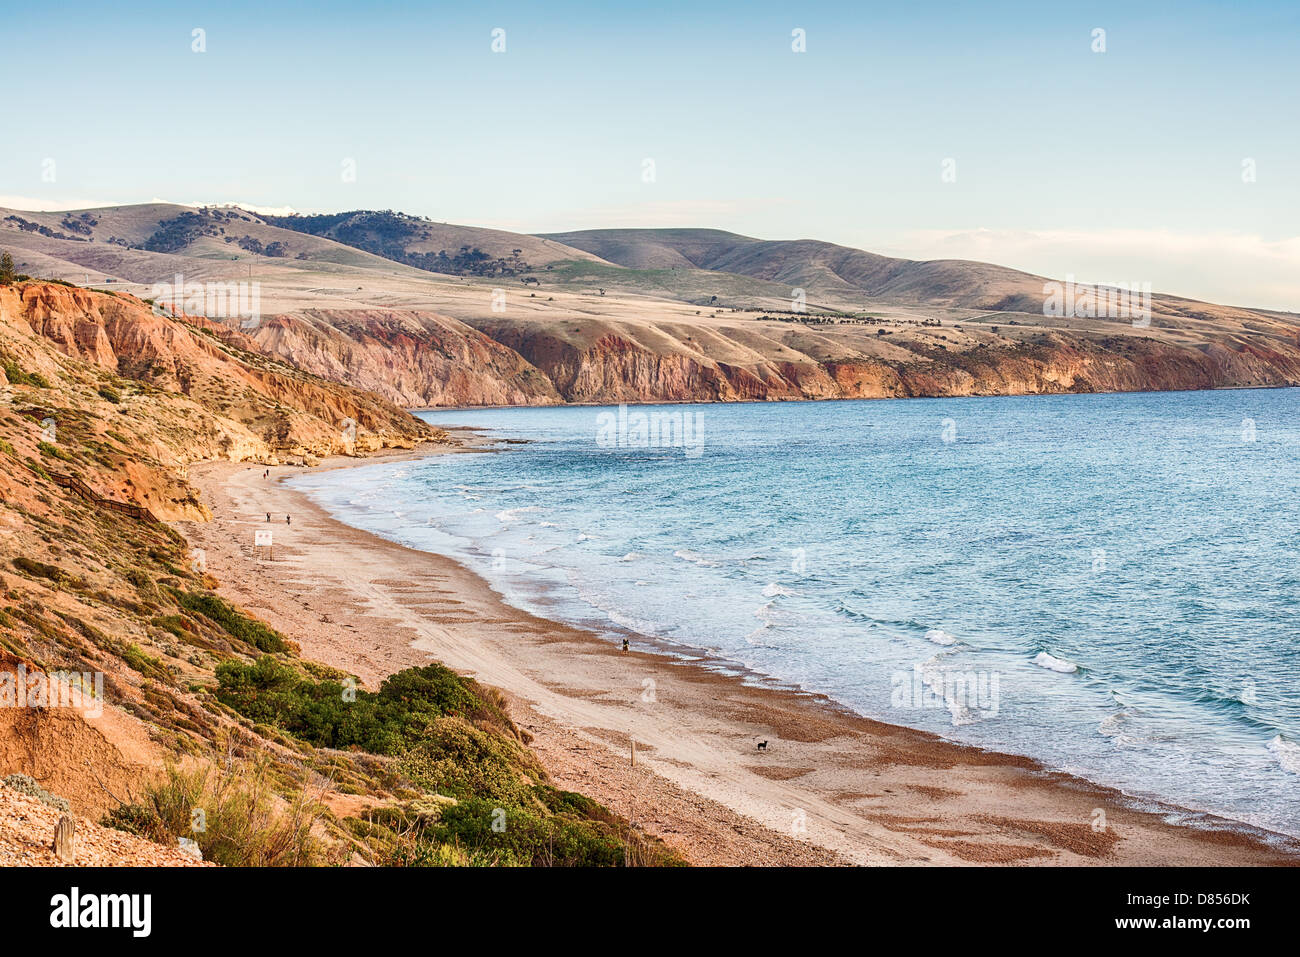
{"x": 415, "y": 853}
{"x": 239, "y": 824}
{"x": 328, "y": 714}
{"x": 234, "y": 622}
{"x": 28, "y": 786}
{"x": 176, "y": 625}
{"x": 528, "y": 837}
{"x": 462, "y": 761}
{"x": 146, "y": 664}
{"x": 17, "y": 376}
{"x": 31, "y": 566}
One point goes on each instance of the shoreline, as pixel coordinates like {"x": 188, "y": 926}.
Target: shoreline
{"x": 832, "y": 788}
{"x": 837, "y": 398}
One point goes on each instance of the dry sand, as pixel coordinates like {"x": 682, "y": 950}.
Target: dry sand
{"x": 831, "y": 788}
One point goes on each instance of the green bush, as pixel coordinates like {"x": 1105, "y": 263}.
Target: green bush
{"x": 146, "y": 664}
{"x": 176, "y": 625}
{"x": 453, "y": 738}
{"x": 234, "y": 622}
{"x": 17, "y": 376}
{"x": 462, "y": 761}
{"x": 528, "y": 837}
{"x": 329, "y": 714}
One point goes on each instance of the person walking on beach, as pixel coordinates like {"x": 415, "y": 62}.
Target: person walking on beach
{"x": 286, "y": 520}
{"x": 268, "y": 516}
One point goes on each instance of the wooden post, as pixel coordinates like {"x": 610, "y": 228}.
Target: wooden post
{"x": 65, "y": 840}
{"x": 634, "y": 752}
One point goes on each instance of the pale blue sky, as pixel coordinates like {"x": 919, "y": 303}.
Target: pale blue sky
{"x": 1123, "y": 165}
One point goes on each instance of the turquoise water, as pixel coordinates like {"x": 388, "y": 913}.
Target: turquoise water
{"x": 1106, "y": 583}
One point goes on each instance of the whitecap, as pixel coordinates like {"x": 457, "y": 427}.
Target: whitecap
{"x": 1052, "y": 663}
{"x": 1286, "y": 752}
{"x": 940, "y": 637}
{"x": 686, "y": 555}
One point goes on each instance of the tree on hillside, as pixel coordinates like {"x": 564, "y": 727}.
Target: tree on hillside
{"x": 6, "y": 268}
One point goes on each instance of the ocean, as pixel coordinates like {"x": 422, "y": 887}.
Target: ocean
{"x": 1106, "y": 583}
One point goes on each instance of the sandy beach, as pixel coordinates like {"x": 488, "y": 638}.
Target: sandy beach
{"x": 831, "y": 788}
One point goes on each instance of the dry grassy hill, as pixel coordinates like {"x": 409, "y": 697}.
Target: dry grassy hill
{"x": 639, "y": 315}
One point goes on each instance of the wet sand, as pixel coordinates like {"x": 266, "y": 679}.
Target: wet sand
{"x": 831, "y": 788}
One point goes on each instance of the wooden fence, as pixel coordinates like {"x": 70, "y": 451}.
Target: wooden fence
{"x": 90, "y": 495}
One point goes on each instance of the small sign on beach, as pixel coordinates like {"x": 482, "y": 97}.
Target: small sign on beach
{"x": 262, "y": 539}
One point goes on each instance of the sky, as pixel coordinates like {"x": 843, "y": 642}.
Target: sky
{"x": 1166, "y": 150}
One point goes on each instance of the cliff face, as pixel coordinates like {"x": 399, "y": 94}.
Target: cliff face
{"x": 124, "y": 400}
{"x": 1061, "y": 364}
{"x": 259, "y": 408}
{"x": 411, "y": 358}
{"x": 614, "y": 368}
{"x": 299, "y": 400}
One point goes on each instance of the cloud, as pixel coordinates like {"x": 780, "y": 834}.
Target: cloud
{"x": 34, "y": 204}
{"x": 1233, "y": 268}
{"x": 248, "y": 207}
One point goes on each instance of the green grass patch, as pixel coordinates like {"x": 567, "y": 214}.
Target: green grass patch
{"x": 53, "y": 451}
{"x": 146, "y": 664}
{"x": 233, "y": 621}
{"x": 18, "y": 376}
{"x": 30, "y": 566}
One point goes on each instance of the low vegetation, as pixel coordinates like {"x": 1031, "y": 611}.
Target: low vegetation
{"x": 236, "y": 811}
{"x": 453, "y": 742}
{"x": 234, "y": 622}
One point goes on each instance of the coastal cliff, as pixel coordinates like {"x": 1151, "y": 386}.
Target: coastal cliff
{"x": 419, "y": 360}
{"x": 229, "y": 400}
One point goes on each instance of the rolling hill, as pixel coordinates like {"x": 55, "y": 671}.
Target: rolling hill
{"x": 431, "y": 314}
